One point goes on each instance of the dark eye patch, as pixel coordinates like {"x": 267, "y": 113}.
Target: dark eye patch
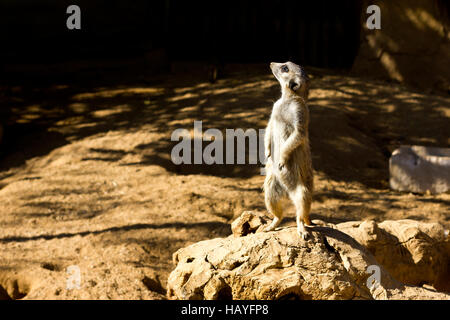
{"x": 284, "y": 68}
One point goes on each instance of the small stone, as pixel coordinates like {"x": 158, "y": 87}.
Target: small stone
{"x": 249, "y": 222}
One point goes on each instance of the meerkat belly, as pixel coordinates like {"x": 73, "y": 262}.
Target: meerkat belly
{"x": 281, "y": 133}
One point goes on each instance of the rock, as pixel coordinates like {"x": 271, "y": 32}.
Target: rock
{"x": 249, "y": 222}
{"x": 420, "y": 169}
{"x": 280, "y": 265}
{"x": 14, "y": 285}
{"x": 415, "y": 253}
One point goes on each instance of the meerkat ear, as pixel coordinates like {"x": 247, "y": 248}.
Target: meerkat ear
{"x": 293, "y": 85}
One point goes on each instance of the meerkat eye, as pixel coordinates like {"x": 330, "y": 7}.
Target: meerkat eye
{"x": 284, "y": 68}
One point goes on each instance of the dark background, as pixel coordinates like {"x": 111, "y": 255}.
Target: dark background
{"x": 317, "y": 33}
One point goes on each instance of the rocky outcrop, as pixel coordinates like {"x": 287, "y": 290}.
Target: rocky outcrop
{"x": 279, "y": 265}
{"x": 414, "y": 253}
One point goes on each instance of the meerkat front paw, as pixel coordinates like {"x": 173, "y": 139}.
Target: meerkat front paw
{"x": 281, "y": 164}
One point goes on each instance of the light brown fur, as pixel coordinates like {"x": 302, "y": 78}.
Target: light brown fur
{"x": 289, "y": 170}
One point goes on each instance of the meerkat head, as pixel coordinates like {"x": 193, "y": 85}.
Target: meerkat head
{"x": 291, "y": 77}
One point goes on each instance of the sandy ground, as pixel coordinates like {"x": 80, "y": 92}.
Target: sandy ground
{"x": 86, "y": 177}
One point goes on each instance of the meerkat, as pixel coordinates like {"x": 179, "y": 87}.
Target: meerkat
{"x": 289, "y": 170}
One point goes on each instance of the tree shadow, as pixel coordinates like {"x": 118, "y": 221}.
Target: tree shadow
{"x": 355, "y": 124}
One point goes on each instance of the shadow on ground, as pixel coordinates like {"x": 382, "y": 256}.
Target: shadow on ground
{"x": 355, "y": 124}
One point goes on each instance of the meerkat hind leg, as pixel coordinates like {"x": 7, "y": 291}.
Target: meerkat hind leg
{"x": 307, "y": 221}
{"x": 302, "y": 202}
{"x": 301, "y": 230}
{"x": 273, "y": 193}
{"x": 273, "y": 203}
{"x": 275, "y": 209}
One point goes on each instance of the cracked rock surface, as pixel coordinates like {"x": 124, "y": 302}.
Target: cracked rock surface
{"x": 333, "y": 264}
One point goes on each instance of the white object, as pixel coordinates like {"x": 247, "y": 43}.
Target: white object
{"x": 420, "y": 169}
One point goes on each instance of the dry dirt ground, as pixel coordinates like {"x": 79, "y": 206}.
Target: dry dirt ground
{"x": 86, "y": 177}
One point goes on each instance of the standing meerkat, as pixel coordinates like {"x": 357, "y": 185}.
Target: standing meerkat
{"x": 289, "y": 170}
